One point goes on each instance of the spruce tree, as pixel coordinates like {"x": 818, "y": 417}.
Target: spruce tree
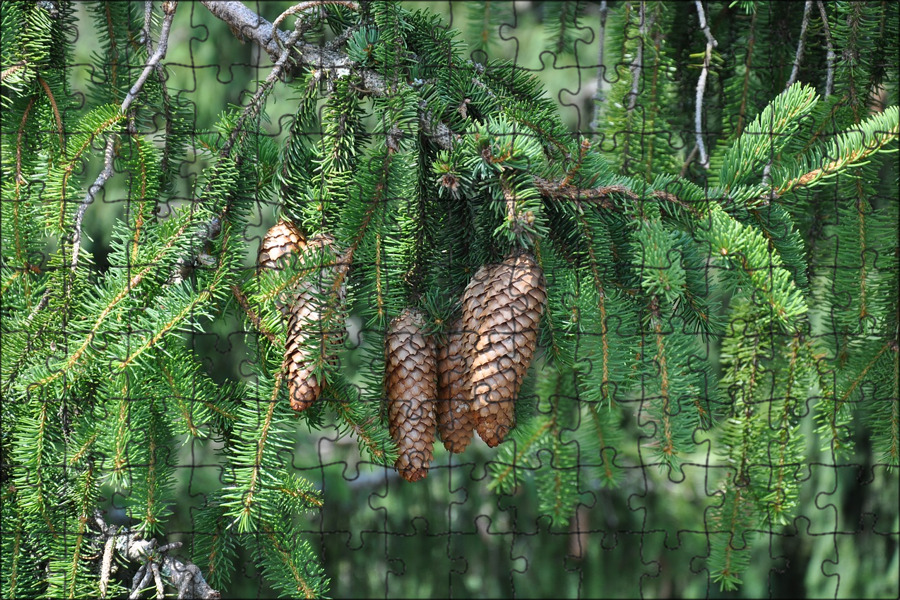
{"x": 714, "y": 258}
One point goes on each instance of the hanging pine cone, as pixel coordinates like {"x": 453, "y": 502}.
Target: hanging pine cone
{"x": 312, "y": 316}
{"x": 282, "y": 239}
{"x": 502, "y": 308}
{"x": 411, "y": 388}
{"x": 456, "y": 423}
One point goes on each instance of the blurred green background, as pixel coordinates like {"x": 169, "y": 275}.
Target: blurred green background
{"x": 449, "y": 535}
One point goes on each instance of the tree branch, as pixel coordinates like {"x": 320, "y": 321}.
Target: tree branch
{"x": 701, "y": 85}
{"x": 168, "y": 7}
{"x": 155, "y": 561}
{"x": 247, "y": 25}
{"x": 829, "y": 78}
{"x": 601, "y": 195}
{"x": 798, "y": 57}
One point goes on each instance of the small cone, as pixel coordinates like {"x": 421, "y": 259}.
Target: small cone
{"x": 282, "y": 239}
{"x": 502, "y": 308}
{"x": 309, "y": 323}
{"x": 411, "y": 387}
{"x": 455, "y": 422}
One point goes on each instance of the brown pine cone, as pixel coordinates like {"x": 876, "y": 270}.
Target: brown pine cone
{"x": 282, "y": 239}
{"x": 411, "y": 388}
{"x": 455, "y": 422}
{"x": 311, "y": 314}
{"x": 502, "y": 308}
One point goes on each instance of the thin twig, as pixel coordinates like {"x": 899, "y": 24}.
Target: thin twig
{"x": 253, "y": 107}
{"x": 140, "y": 579}
{"x": 169, "y": 10}
{"x": 829, "y": 81}
{"x": 157, "y": 578}
{"x": 306, "y": 6}
{"x": 19, "y": 179}
{"x": 701, "y": 85}
{"x": 56, "y": 115}
{"x": 687, "y": 162}
{"x": 254, "y": 318}
{"x": 601, "y": 195}
{"x": 105, "y": 174}
{"x": 798, "y": 57}
{"x": 13, "y": 69}
{"x": 106, "y": 562}
{"x": 169, "y": 7}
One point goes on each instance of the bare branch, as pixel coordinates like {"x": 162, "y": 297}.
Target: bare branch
{"x": 829, "y": 81}
{"x": 105, "y": 174}
{"x": 148, "y": 14}
{"x": 156, "y": 563}
{"x": 701, "y": 85}
{"x": 106, "y": 562}
{"x": 798, "y": 57}
{"x": 248, "y": 25}
{"x": 169, "y": 10}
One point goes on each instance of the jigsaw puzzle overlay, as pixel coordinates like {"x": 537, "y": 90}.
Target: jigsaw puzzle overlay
{"x": 450, "y": 299}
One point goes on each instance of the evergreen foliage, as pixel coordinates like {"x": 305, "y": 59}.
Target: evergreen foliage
{"x": 423, "y": 164}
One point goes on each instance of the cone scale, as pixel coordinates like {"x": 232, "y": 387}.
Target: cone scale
{"x": 456, "y": 423}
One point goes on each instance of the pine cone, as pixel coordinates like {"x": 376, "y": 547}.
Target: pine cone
{"x": 308, "y": 335}
{"x": 456, "y": 423}
{"x": 502, "y": 308}
{"x": 411, "y": 388}
{"x": 282, "y": 239}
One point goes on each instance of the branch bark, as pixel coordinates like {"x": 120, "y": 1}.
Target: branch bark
{"x": 155, "y": 563}
{"x": 247, "y": 25}
{"x": 701, "y": 85}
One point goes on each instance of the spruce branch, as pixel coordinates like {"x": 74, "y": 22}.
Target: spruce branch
{"x": 247, "y": 25}
{"x": 601, "y": 194}
{"x": 168, "y": 7}
{"x": 156, "y": 563}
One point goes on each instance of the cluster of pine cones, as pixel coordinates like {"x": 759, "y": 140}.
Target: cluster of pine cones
{"x": 470, "y": 382}
{"x": 466, "y": 384}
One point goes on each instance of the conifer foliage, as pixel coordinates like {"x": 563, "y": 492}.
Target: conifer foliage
{"x": 531, "y": 285}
